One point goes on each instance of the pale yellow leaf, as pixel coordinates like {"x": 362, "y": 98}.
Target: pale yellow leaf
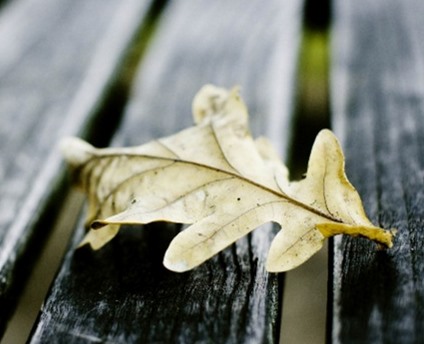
{"x": 216, "y": 178}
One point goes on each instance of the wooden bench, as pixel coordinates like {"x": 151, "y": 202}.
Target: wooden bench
{"x": 377, "y": 106}
{"x": 67, "y": 68}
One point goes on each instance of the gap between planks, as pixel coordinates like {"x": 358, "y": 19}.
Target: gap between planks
{"x": 38, "y": 283}
{"x": 305, "y": 291}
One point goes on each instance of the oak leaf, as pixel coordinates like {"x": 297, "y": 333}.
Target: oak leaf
{"x": 223, "y": 183}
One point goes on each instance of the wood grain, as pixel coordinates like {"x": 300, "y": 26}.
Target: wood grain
{"x": 57, "y": 60}
{"x": 378, "y": 111}
{"x": 122, "y": 293}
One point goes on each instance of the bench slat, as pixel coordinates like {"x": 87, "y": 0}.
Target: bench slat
{"x": 122, "y": 293}
{"x": 378, "y": 93}
{"x": 57, "y": 60}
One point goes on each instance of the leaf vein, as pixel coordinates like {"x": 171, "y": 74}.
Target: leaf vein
{"x": 230, "y": 173}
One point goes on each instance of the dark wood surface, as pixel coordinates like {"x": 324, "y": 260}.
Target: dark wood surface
{"x": 57, "y": 61}
{"x": 378, "y": 111}
{"x": 122, "y": 293}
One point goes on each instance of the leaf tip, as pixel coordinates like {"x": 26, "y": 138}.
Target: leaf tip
{"x": 389, "y": 237}
{"x": 208, "y": 101}
{"x": 273, "y": 267}
{"x": 289, "y": 249}
{"x": 327, "y": 133}
{"x": 176, "y": 266}
{"x": 96, "y": 239}
{"x": 212, "y": 100}
{"x": 75, "y": 151}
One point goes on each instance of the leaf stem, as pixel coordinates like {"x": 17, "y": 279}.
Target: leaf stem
{"x": 379, "y": 235}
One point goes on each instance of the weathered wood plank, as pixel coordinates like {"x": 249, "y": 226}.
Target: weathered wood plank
{"x": 378, "y": 107}
{"x": 122, "y": 293}
{"x": 57, "y": 61}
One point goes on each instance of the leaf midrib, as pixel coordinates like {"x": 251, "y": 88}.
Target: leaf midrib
{"x": 216, "y": 169}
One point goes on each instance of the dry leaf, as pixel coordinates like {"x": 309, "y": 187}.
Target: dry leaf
{"x": 215, "y": 177}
